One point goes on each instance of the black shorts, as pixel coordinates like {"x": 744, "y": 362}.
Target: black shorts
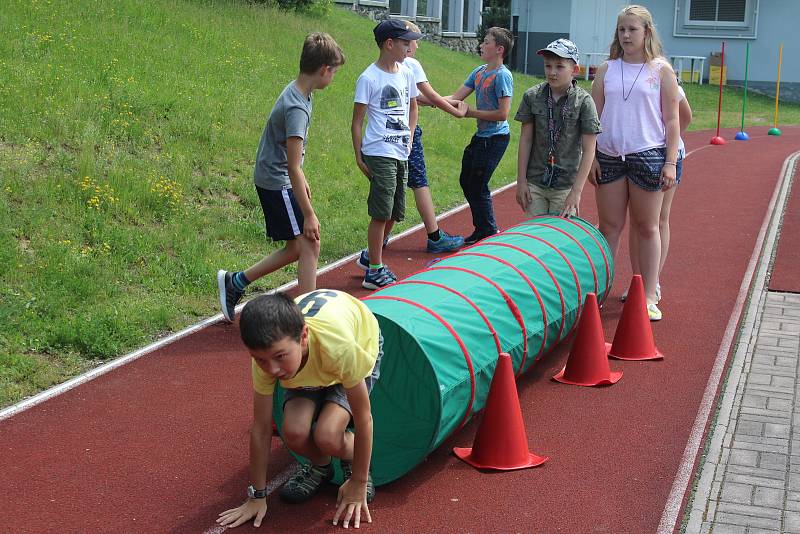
{"x": 643, "y": 169}
{"x": 282, "y": 214}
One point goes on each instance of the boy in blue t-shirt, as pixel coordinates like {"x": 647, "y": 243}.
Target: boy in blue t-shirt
{"x": 493, "y": 86}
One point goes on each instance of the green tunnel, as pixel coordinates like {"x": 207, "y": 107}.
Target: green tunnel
{"x": 519, "y": 292}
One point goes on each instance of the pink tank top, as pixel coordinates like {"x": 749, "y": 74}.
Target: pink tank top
{"x": 631, "y": 118}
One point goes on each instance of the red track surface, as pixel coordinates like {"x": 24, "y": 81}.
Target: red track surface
{"x": 786, "y": 271}
{"x": 160, "y": 445}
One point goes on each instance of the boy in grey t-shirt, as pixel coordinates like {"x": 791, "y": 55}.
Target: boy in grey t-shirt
{"x": 280, "y": 182}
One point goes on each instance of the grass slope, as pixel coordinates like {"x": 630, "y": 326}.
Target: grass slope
{"x": 128, "y": 131}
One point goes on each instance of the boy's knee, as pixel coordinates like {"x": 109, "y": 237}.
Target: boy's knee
{"x": 308, "y": 247}
{"x": 294, "y": 435}
{"x": 328, "y": 440}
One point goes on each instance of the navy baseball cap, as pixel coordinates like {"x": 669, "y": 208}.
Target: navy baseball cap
{"x": 562, "y": 48}
{"x": 394, "y": 29}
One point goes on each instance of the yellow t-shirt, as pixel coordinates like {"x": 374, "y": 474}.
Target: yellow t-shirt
{"x": 342, "y": 343}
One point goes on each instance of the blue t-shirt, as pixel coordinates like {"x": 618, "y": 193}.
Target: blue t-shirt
{"x": 490, "y": 86}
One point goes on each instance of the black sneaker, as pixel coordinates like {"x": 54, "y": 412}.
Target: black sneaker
{"x": 229, "y": 296}
{"x": 347, "y": 472}
{"x": 476, "y": 236}
{"x": 306, "y": 483}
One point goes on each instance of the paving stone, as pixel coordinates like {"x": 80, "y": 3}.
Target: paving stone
{"x": 779, "y": 419}
{"x": 754, "y": 401}
{"x": 738, "y": 493}
{"x": 750, "y": 428}
{"x": 770, "y": 497}
{"x": 767, "y": 477}
{"x": 772, "y": 430}
{"x": 775, "y": 392}
{"x": 735, "y": 519}
{"x": 779, "y": 405}
{"x": 783, "y": 381}
{"x": 791, "y": 522}
{"x": 722, "y": 528}
{"x": 761, "y": 379}
{"x": 744, "y": 457}
{"x": 770, "y": 460}
{"x": 761, "y": 444}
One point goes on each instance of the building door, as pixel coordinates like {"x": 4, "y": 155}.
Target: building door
{"x": 592, "y": 24}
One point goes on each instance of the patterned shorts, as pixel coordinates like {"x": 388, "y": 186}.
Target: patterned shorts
{"x": 643, "y": 169}
{"x": 417, "y": 174}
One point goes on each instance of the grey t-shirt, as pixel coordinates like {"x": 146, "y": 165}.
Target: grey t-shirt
{"x": 290, "y": 117}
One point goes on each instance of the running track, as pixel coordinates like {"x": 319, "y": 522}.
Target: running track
{"x": 160, "y": 444}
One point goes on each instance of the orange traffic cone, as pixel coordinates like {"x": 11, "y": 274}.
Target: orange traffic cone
{"x": 501, "y": 442}
{"x": 587, "y": 364}
{"x": 633, "y": 339}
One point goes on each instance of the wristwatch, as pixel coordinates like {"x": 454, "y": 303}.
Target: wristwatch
{"x": 253, "y": 493}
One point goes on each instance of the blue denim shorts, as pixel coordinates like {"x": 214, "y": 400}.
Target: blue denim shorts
{"x": 417, "y": 173}
{"x": 643, "y": 169}
{"x": 678, "y": 171}
{"x": 336, "y": 393}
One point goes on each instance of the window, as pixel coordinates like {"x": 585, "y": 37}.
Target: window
{"x": 395, "y": 7}
{"x": 716, "y": 18}
{"x": 724, "y": 11}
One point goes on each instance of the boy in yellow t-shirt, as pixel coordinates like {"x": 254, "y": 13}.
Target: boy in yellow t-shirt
{"x": 325, "y": 349}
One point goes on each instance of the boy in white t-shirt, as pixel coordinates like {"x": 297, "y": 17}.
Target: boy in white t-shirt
{"x": 386, "y": 94}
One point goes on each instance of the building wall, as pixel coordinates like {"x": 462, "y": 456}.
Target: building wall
{"x": 591, "y": 25}
{"x": 777, "y": 20}
{"x": 538, "y": 23}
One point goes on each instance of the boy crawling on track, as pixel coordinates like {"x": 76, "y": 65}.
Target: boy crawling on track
{"x": 325, "y": 349}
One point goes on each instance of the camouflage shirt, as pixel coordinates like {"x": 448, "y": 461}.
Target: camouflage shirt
{"x": 580, "y": 118}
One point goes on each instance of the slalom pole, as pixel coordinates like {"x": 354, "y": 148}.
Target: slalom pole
{"x": 774, "y": 130}
{"x": 742, "y": 135}
{"x": 717, "y": 140}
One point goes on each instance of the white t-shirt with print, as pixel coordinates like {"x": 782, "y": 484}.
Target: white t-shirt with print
{"x": 388, "y": 99}
{"x": 416, "y": 68}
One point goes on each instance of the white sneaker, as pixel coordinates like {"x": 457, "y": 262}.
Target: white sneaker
{"x": 653, "y": 312}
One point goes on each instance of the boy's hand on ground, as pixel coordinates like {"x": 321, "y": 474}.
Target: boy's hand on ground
{"x": 311, "y": 227}
{"x": 523, "y": 196}
{"x": 351, "y": 501}
{"x": 571, "y": 205}
{"x": 242, "y": 514}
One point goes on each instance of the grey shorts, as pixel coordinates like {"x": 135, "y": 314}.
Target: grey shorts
{"x": 335, "y": 394}
{"x": 387, "y": 194}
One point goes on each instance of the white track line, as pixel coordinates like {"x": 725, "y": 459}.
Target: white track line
{"x": 760, "y": 258}
{"x": 14, "y": 409}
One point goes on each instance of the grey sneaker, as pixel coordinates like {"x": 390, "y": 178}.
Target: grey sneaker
{"x": 229, "y": 296}
{"x": 306, "y": 483}
{"x": 378, "y": 278}
{"x": 347, "y": 472}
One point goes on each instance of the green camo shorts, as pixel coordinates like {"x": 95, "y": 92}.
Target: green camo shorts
{"x": 387, "y": 195}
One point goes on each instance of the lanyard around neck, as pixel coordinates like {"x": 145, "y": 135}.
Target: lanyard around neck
{"x": 555, "y": 133}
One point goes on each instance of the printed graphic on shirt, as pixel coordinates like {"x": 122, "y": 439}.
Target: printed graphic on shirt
{"x": 388, "y": 98}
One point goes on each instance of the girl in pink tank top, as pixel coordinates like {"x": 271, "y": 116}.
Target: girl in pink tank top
{"x": 636, "y": 94}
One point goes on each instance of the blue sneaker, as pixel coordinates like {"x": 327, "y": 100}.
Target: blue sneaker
{"x": 363, "y": 260}
{"x": 378, "y": 278}
{"x": 446, "y": 243}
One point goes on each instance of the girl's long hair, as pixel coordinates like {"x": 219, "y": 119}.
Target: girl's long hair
{"x": 652, "y": 43}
